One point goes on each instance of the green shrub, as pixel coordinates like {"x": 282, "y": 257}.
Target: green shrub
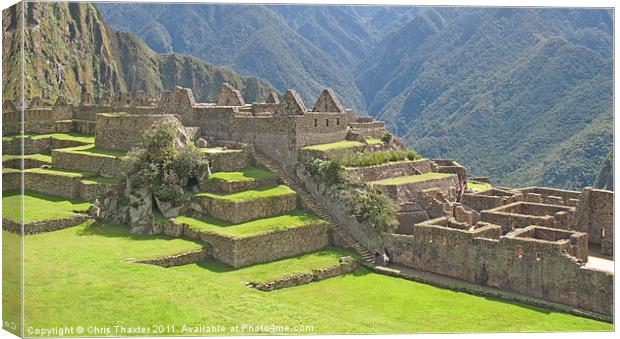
{"x": 159, "y": 165}
{"x": 386, "y": 137}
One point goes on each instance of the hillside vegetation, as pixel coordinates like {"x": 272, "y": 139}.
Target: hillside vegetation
{"x": 522, "y": 95}
{"x": 68, "y": 49}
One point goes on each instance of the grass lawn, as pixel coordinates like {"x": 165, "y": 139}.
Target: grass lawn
{"x": 101, "y": 180}
{"x": 45, "y": 157}
{"x": 335, "y": 145}
{"x": 39, "y": 206}
{"x": 85, "y": 138}
{"x": 480, "y": 186}
{"x": 249, "y": 173}
{"x": 253, "y": 227}
{"x": 94, "y": 150}
{"x": 257, "y": 193}
{"x": 78, "y": 277}
{"x": 411, "y": 178}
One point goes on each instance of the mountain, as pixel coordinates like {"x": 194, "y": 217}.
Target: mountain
{"x": 605, "y": 177}
{"x": 68, "y": 48}
{"x": 256, "y": 40}
{"x": 520, "y": 95}
{"x": 523, "y": 95}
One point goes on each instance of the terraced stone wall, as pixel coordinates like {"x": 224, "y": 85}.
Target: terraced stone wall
{"x": 527, "y": 266}
{"x": 403, "y": 192}
{"x": 10, "y": 122}
{"x": 245, "y": 251}
{"x": 11, "y": 180}
{"x": 240, "y": 211}
{"x": 228, "y": 161}
{"x": 522, "y": 214}
{"x": 490, "y": 199}
{"x": 391, "y": 170}
{"x": 101, "y": 164}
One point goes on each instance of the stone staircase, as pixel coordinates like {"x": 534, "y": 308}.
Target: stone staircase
{"x": 309, "y": 203}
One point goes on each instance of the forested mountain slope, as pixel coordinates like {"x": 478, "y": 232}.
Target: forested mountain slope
{"x": 68, "y": 49}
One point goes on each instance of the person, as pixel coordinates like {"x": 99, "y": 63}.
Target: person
{"x": 378, "y": 259}
{"x": 386, "y": 258}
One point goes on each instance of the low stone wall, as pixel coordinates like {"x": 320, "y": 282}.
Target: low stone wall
{"x": 244, "y": 251}
{"x": 91, "y": 190}
{"x": 527, "y": 266}
{"x": 229, "y": 160}
{"x": 391, "y": 170}
{"x": 224, "y": 186}
{"x": 595, "y": 216}
{"x": 11, "y": 180}
{"x": 124, "y": 131}
{"x": 176, "y": 259}
{"x": 58, "y": 185}
{"x": 84, "y": 126}
{"x": 28, "y": 163}
{"x": 490, "y": 199}
{"x": 240, "y": 211}
{"x": 547, "y": 195}
{"x": 37, "y": 145}
{"x": 450, "y": 166}
{"x": 104, "y": 165}
{"x": 41, "y": 226}
{"x": 523, "y": 214}
{"x": 402, "y": 193}
{"x": 306, "y": 278}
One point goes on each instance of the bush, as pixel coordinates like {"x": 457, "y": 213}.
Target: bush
{"x": 368, "y": 204}
{"x": 386, "y": 137}
{"x": 167, "y": 171}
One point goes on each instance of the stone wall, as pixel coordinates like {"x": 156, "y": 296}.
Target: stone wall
{"x": 522, "y": 214}
{"x": 244, "y": 251}
{"x": 41, "y": 226}
{"x": 176, "y": 259}
{"x": 91, "y": 190}
{"x": 240, "y": 211}
{"x": 224, "y": 186}
{"x": 36, "y": 145}
{"x": 28, "y": 163}
{"x": 124, "y": 131}
{"x": 595, "y": 217}
{"x": 105, "y": 165}
{"x": 531, "y": 267}
{"x": 306, "y": 278}
{"x": 553, "y": 196}
{"x": 490, "y": 199}
{"x": 391, "y": 170}
{"x": 11, "y": 180}
{"x": 10, "y": 122}
{"x": 58, "y": 185}
{"x": 404, "y": 192}
{"x": 228, "y": 160}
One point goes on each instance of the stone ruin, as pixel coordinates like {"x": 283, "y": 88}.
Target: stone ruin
{"x": 534, "y": 241}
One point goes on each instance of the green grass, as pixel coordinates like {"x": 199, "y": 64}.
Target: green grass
{"x": 257, "y": 193}
{"x": 11, "y": 282}
{"x": 373, "y": 141}
{"x": 335, "y": 145}
{"x": 411, "y": 178}
{"x": 45, "y": 157}
{"x": 480, "y": 186}
{"x": 249, "y": 228}
{"x": 89, "y": 139}
{"x": 39, "y": 206}
{"x": 250, "y": 173}
{"x": 61, "y": 172}
{"x": 9, "y": 170}
{"x": 94, "y": 150}
{"x": 101, "y": 180}
{"x": 79, "y": 276}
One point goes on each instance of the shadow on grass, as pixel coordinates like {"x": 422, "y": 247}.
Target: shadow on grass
{"x": 110, "y": 229}
{"x": 215, "y": 266}
{"x": 43, "y": 196}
